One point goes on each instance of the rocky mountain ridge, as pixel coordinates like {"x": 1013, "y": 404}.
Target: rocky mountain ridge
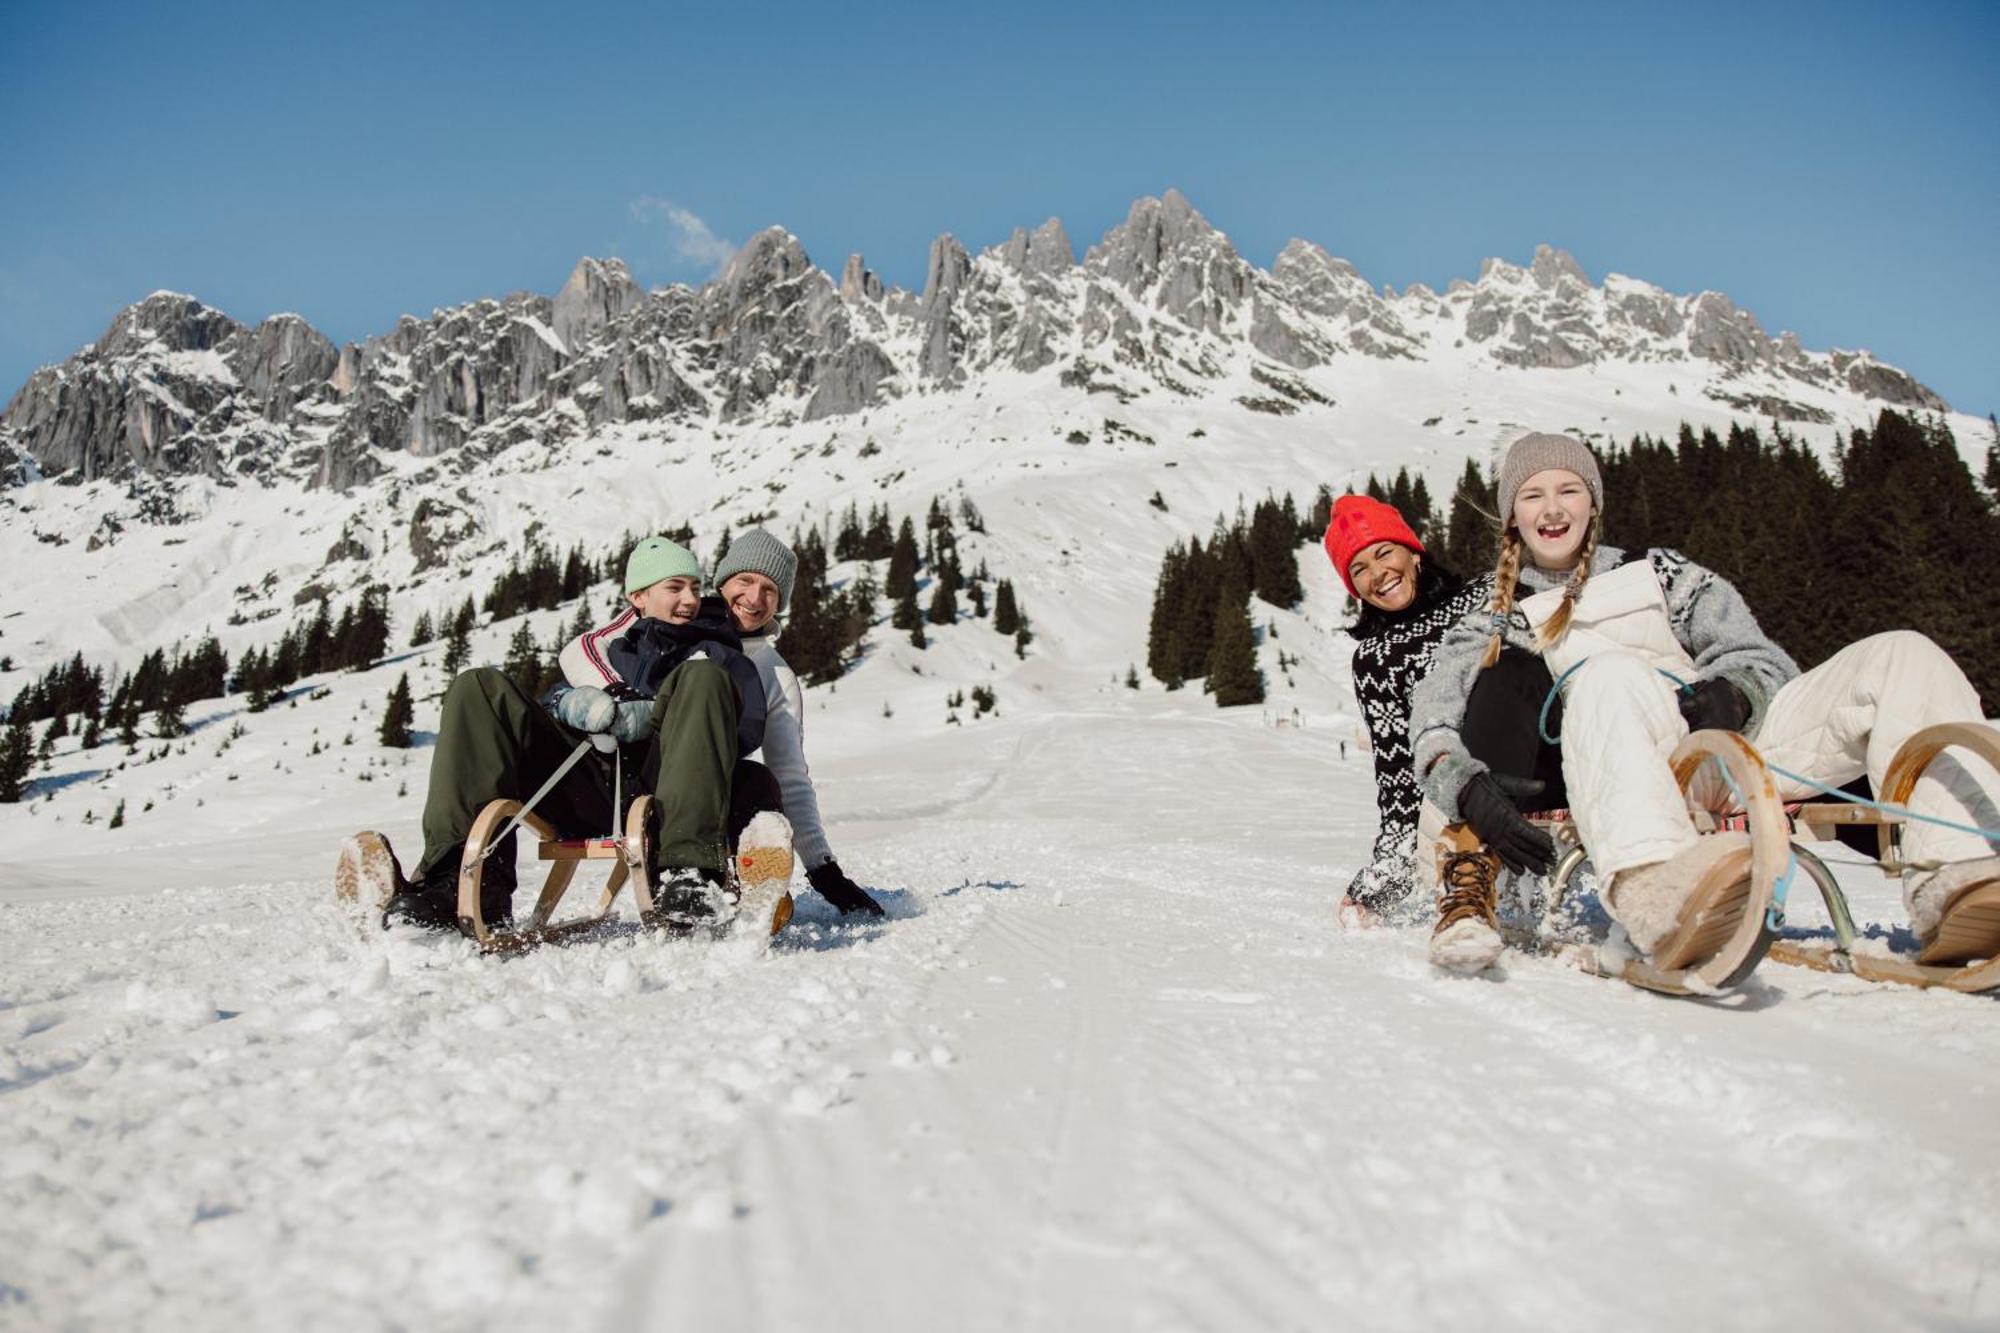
{"x": 1163, "y": 304}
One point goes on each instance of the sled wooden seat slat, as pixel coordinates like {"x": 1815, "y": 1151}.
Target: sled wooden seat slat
{"x": 581, "y": 849}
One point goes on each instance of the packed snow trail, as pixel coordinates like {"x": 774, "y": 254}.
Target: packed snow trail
{"x": 1108, "y": 1064}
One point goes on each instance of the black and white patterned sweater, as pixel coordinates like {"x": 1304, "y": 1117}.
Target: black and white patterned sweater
{"x": 1387, "y": 666}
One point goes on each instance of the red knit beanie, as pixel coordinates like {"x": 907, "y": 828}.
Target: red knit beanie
{"x": 1358, "y": 521}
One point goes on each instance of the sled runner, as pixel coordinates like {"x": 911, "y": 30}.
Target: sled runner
{"x": 1965, "y": 955}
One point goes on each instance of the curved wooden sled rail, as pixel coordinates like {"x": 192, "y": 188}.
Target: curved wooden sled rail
{"x": 1916, "y": 754}
{"x": 1748, "y": 929}
{"x": 627, "y": 854}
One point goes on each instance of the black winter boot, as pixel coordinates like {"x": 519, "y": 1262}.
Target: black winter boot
{"x": 686, "y": 898}
{"x": 432, "y": 902}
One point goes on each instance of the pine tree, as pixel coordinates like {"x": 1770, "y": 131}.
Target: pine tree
{"x": 366, "y": 639}
{"x": 1273, "y": 555}
{"x": 976, "y": 594}
{"x": 917, "y": 639}
{"x": 944, "y": 604}
{"x": 1469, "y": 545}
{"x": 524, "y": 660}
{"x": 457, "y": 648}
{"x": 902, "y": 562}
{"x": 422, "y": 632}
{"x": 16, "y": 759}
{"x": 1006, "y": 613}
{"x": 397, "y": 715}
{"x": 169, "y": 723}
{"x": 1162, "y": 648}
{"x": 906, "y": 614}
{"x": 316, "y": 652}
{"x": 851, "y": 544}
{"x": 1233, "y": 677}
{"x": 93, "y": 734}
{"x": 1992, "y": 474}
{"x": 117, "y": 817}
{"x": 879, "y": 541}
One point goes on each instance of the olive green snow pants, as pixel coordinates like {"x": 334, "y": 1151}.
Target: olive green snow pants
{"x": 495, "y": 741}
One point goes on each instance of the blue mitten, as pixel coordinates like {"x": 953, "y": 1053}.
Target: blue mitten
{"x": 587, "y": 709}
{"x": 635, "y": 721}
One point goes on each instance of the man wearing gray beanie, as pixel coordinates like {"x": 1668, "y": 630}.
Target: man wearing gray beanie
{"x": 754, "y": 579}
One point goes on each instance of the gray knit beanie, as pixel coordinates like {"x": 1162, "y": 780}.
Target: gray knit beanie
{"x": 1538, "y": 452}
{"x": 758, "y": 552}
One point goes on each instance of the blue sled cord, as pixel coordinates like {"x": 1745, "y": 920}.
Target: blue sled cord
{"x": 1991, "y": 835}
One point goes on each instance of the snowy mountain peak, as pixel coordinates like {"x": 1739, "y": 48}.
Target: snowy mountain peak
{"x": 1163, "y": 303}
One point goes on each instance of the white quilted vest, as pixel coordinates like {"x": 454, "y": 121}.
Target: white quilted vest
{"x": 1622, "y": 611}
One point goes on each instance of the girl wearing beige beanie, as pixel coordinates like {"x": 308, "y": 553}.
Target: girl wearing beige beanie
{"x": 1641, "y": 648}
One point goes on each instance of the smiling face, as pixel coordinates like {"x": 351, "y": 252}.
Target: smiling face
{"x": 1552, "y": 512}
{"x": 673, "y": 600}
{"x": 1385, "y": 576}
{"x": 752, "y": 599}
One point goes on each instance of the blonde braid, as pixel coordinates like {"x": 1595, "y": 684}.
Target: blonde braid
{"x": 1557, "y": 625}
{"x": 1505, "y": 573}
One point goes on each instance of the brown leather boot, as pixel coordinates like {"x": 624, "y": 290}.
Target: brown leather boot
{"x": 1466, "y": 938}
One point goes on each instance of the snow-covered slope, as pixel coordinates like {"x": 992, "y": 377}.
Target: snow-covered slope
{"x": 1109, "y": 1063}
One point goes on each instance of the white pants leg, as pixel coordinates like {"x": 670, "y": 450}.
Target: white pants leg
{"x": 1620, "y": 727}
{"x": 1850, "y": 714}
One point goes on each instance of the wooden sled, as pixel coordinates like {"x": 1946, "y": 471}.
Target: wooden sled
{"x": 627, "y": 853}
{"x": 1817, "y": 820}
{"x": 758, "y": 882}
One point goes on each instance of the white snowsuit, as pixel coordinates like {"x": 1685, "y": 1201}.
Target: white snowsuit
{"x": 1845, "y": 717}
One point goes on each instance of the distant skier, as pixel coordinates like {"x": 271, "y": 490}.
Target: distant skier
{"x": 1646, "y": 647}
{"x": 1408, "y": 600}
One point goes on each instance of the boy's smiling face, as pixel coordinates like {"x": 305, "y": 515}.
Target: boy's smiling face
{"x": 673, "y": 600}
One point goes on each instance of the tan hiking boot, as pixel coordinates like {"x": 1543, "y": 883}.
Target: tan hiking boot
{"x": 1466, "y": 938}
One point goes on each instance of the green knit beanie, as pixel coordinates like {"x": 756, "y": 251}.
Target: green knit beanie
{"x": 657, "y": 558}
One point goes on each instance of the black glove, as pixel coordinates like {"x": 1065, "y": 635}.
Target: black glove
{"x": 1714, "y": 704}
{"x": 832, "y": 884}
{"x": 1487, "y": 803}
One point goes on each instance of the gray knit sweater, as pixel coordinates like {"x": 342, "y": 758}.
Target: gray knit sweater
{"x": 1708, "y": 616}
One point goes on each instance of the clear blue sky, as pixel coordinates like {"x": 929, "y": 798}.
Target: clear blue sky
{"x": 1835, "y": 168}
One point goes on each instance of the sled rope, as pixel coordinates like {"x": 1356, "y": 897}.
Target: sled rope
{"x": 1991, "y": 835}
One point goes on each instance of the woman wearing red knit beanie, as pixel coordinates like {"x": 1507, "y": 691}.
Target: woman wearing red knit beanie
{"x": 1408, "y": 600}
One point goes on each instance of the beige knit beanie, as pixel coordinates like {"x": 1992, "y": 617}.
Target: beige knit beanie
{"x": 1538, "y": 452}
